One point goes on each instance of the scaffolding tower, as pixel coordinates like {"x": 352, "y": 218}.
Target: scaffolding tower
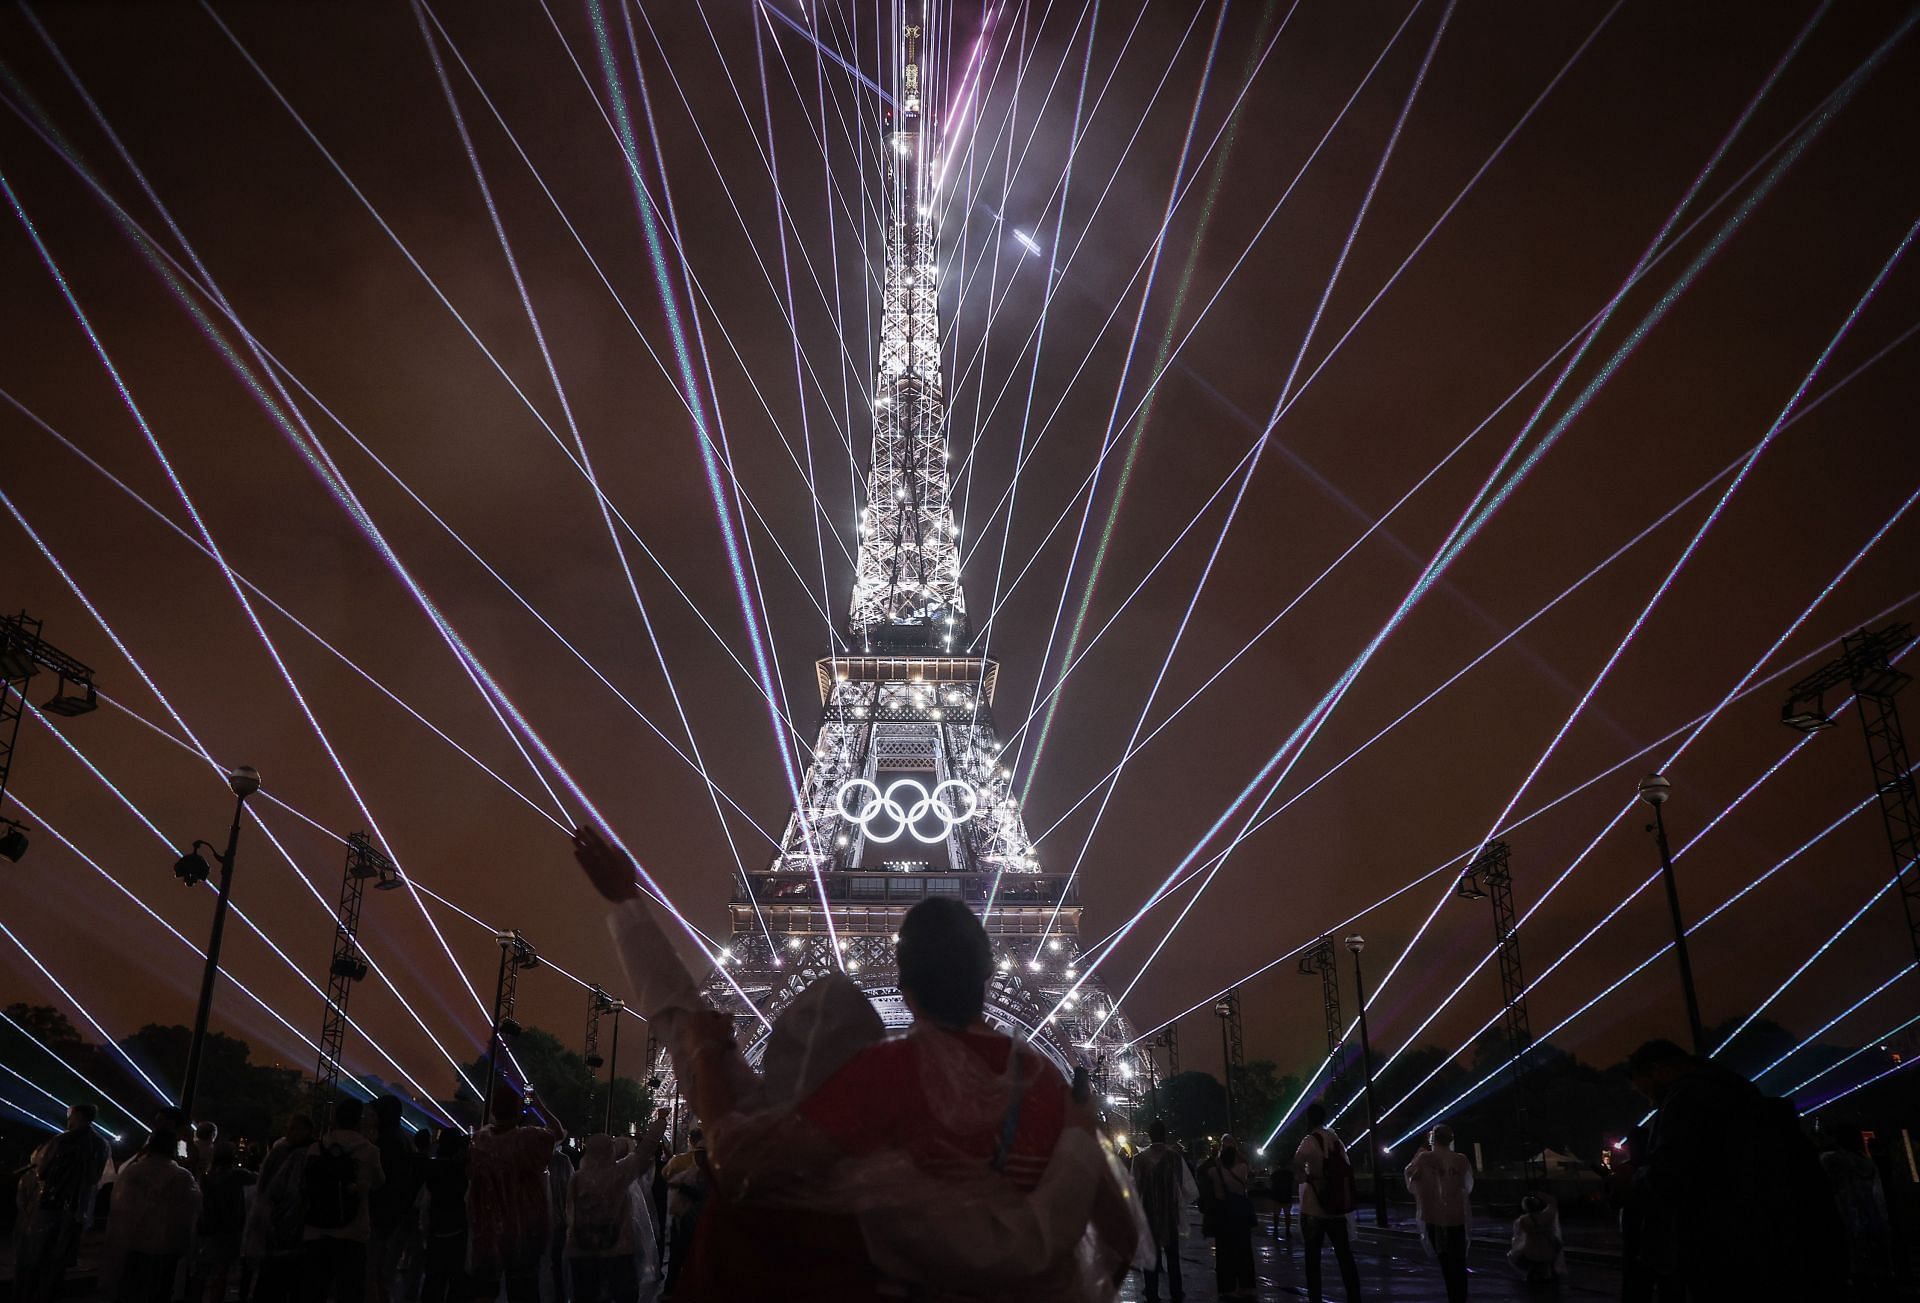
{"x": 365, "y": 863}
{"x": 1489, "y": 877}
{"x": 1865, "y": 665}
{"x": 1319, "y": 961}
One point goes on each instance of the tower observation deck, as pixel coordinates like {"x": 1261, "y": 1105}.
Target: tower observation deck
{"x": 905, "y": 796}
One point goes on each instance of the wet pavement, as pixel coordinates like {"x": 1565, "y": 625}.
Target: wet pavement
{"x": 1394, "y": 1266}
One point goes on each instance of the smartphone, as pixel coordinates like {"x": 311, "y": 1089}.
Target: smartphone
{"x": 1081, "y": 1088}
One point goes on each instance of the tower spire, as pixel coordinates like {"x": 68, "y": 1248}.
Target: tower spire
{"x": 906, "y": 591}
{"x": 905, "y": 797}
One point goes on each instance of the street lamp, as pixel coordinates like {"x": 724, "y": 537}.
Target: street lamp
{"x": 616, "y": 1008}
{"x": 192, "y": 869}
{"x": 1654, "y": 790}
{"x": 1355, "y": 944}
{"x": 1224, "y": 1007}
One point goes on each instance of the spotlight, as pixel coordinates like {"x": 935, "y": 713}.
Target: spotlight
{"x": 509, "y": 1027}
{"x": 1883, "y": 681}
{"x": 1805, "y": 720}
{"x": 13, "y": 843}
{"x": 653, "y": 1083}
{"x": 351, "y": 967}
{"x": 596, "y": 1062}
{"x": 192, "y": 868}
{"x": 66, "y": 703}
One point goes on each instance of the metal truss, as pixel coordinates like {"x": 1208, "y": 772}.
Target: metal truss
{"x": 1489, "y": 877}
{"x": 1865, "y": 666}
{"x": 1320, "y": 962}
{"x": 904, "y": 708}
{"x": 907, "y": 581}
{"x": 24, "y": 654}
{"x": 365, "y": 863}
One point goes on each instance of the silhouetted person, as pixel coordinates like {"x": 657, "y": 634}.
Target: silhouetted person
{"x": 336, "y": 1186}
{"x": 1536, "y": 1251}
{"x": 1232, "y": 1178}
{"x": 1441, "y": 1181}
{"x": 1862, "y": 1203}
{"x": 155, "y": 1204}
{"x": 602, "y": 1210}
{"x": 445, "y": 1256}
{"x": 689, "y": 1186}
{"x": 66, "y": 1175}
{"x": 390, "y": 1207}
{"x": 276, "y": 1224}
{"x": 223, "y": 1220}
{"x": 508, "y": 1213}
{"x": 1734, "y": 1202}
{"x": 1166, "y": 1187}
{"x": 1325, "y": 1174}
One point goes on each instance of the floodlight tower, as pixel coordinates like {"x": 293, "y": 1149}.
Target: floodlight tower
{"x": 1865, "y": 665}
{"x": 365, "y": 863}
{"x": 1319, "y": 961}
{"x": 598, "y": 1003}
{"x": 1488, "y": 877}
{"x": 23, "y": 654}
{"x": 516, "y": 954}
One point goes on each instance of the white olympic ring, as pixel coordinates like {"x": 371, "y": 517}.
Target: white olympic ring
{"x": 908, "y": 816}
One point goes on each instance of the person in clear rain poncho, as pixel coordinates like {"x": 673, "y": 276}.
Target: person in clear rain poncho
{"x": 949, "y": 1163}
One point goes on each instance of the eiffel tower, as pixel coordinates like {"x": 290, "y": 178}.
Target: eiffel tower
{"x": 906, "y": 795}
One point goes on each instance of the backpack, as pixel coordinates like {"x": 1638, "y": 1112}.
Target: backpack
{"x": 1334, "y": 1186}
{"x": 596, "y": 1220}
{"x": 329, "y": 1193}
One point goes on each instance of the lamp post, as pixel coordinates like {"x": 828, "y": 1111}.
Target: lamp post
{"x": 1224, "y": 1008}
{"x": 1654, "y": 790}
{"x": 616, "y": 1008}
{"x": 1355, "y": 944}
{"x": 192, "y": 868}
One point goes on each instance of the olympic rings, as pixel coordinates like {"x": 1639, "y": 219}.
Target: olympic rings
{"x": 907, "y": 816}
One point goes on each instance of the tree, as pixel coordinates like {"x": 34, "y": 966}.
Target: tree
{"x": 561, "y": 1079}
{"x": 1194, "y": 1105}
{"x": 31, "y": 1022}
{"x": 244, "y": 1098}
{"x": 1261, "y": 1094}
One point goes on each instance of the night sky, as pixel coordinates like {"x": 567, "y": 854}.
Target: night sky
{"x": 445, "y": 408}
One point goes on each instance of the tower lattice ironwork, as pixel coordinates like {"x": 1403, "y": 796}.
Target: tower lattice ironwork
{"x": 1489, "y": 877}
{"x": 906, "y": 795}
{"x": 23, "y": 654}
{"x": 365, "y": 863}
{"x": 1319, "y": 962}
{"x": 1865, "y": 665}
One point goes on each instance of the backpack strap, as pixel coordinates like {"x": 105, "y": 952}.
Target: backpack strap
{"x": 1010, "y": 1123}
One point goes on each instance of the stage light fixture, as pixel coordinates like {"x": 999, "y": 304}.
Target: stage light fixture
{"x": 13, "y": 843}
{"x": 65, "y": 703}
